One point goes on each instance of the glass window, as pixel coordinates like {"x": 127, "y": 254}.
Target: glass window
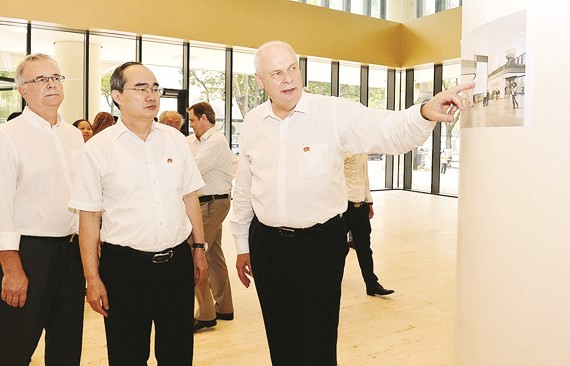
{"x": 67, "y": 47}
{"x": 356, "y": 7}
{"x": 349, "y": 80}
{"x": 208, "y": 79}
{"x": 164, "y": 58}
{"x": 319, "y": 76}
{"x": 450, "y": 140}
{"x": 377, "y": 82}
{"x": 114, "y": 50}
{"x": 376, "y": 10}
{"x": 12, "y": 51}
{"x": 336, "y": 4}
{"x": 422, "y": 156}
{"x": 246, "y": 93}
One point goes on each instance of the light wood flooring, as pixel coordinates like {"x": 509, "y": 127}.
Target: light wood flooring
{"x": 413, "y": 239}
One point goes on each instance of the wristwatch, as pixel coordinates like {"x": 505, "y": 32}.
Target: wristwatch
{"x": 203, "y": 245}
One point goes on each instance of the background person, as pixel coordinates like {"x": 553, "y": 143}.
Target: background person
{"x": 85, "y": 127}
{"x": 102, "y": 121}
{"x": 290, "y": 192}
{"x": 217, "y": 165}
{"x": 357, "y": 219}
{"x": 172, "y": 119}
{"x": 42, "y": 282}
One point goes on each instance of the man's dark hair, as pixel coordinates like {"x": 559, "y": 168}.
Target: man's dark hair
{"x": 204, "y": 108}
{"x": 117, "y": 81}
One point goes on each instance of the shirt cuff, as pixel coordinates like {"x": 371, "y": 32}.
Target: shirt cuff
{"x": 9, "y": 241}
{"x": 84, "y": 206}
{"x": 242, "y": 245}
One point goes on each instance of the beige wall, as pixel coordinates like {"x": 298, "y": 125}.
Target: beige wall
{"x": 311, "y": 30}
{"x": 513, "y": 269}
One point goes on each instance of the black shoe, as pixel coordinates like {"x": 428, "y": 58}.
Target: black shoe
{"x": 377, "y": 289}
{"x": 200, "y": 324}
{"x": 228, "y": 316}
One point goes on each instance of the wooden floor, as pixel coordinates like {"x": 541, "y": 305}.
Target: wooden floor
{"x": 413, "y": 239}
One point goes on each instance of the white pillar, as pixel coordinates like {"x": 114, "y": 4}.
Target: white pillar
{"x": 70, "y": 57}
{"x": 513, "y": 265}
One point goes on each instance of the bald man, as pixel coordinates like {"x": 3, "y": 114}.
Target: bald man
{"x": 172, "y": 119}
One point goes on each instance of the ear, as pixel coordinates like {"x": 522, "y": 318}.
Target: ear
{"x": 204, "y": 118}
{"x": 116, "y": 95}
{"x": 259, "y": 81}
{"x": 22, "y": 90}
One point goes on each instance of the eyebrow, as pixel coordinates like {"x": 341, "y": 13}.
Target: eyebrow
{"x": 146, "y": 84}
{"x": 45, "y": 76}
{"x": 287, "y": 68}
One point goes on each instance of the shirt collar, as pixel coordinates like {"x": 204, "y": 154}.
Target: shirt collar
{"x": 38, "y": 121}
{"x": 207, "y": 134}
{"x": 302, "y": 107}
{"x": 120, "y": 128}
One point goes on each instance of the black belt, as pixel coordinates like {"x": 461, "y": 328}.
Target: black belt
{"x": 211, "y": 197}
{"x": 68, "y": 238}
{"x": 357, "y": 204}
{"x": 292, "y": 232}
{"x": 155, "y": 257}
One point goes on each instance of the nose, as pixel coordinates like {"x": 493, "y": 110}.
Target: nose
{"x": 287, "y": 78}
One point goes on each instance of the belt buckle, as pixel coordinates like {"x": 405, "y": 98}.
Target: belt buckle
{"x": 357, "y": 205}
{"x": 162, "y": 257}
{"x": 286, "y": 232}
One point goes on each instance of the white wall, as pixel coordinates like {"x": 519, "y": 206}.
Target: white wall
{"x": 513, "y": 268}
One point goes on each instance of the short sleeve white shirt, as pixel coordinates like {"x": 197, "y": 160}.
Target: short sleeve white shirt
{"x": 138, "y": 185}
{"x": 37, "y": 167}
{"x": 215, "y": 160}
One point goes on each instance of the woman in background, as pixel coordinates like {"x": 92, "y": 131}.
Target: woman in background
{"x": 85, "y": 127}
{"x": 102, "y": 121}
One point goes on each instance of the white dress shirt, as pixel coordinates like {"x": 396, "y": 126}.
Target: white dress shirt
{"x": 37, "y": 167}
{"x": 291, "y": 171}
{"x": 215, "y": 160}
{"x": 138, "y": 185}
{"x": 356, "y": 176}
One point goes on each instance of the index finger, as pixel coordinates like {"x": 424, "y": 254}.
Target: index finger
{"x": 462, "y": 87}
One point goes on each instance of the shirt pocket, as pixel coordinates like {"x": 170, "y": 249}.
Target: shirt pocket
{"x": 313, "y": 160}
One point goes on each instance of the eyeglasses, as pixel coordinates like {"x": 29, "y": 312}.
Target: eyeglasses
{"x": 43, "y": 80}
{"x": 147, "y": 90}
{"x": 280, "y": 74}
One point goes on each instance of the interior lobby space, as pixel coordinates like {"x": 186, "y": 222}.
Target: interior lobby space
{"x": 413, "y": 240}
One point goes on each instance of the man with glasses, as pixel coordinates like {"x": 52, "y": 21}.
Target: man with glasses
{"x": 139, "y": 179}
{"x": 172, "y": 119}
{"x": 290, "y": 192}
{"x": 42, "y": 281}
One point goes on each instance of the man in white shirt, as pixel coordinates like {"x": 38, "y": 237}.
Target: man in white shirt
{"x": 290, "y": 190}
{"x": 136, "y": 192}
{"x": 217, "y": 165}
{"x": 357, "y": 219}
{"x": 42, "y": 281}
{"x": 172, "y": 119}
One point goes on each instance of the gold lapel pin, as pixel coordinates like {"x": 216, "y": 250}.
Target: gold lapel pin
{"x": 169, "y": 160}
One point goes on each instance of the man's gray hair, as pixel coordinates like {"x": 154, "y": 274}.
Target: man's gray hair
{"x": 31, "y": 58}
{"x": 179, "y": 115}
{"x": 263, "y": 48}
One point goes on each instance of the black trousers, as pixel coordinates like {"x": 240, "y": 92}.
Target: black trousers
{"x": 298, "y": 281}
{"x": 141, "y": 292}
{"x": 357, "y": 221}
{"x": 55, "y": 302}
